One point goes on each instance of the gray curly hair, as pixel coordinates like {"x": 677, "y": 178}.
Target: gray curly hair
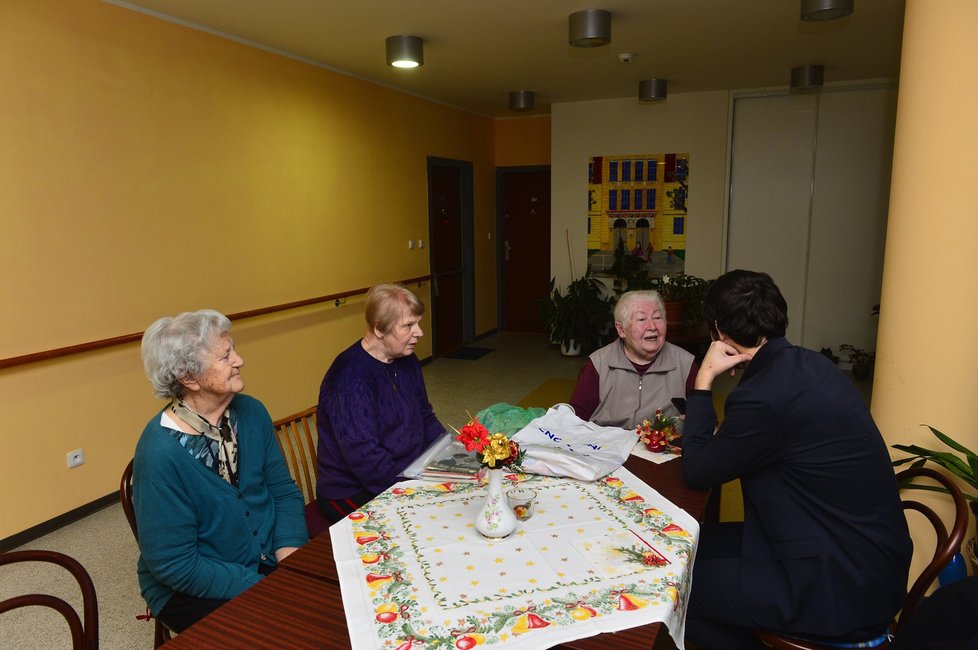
{"x": 173, "y": 348}
{"x": 626, "y": 304}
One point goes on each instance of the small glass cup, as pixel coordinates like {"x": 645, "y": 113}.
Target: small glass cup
{"x": 523, "y": 502}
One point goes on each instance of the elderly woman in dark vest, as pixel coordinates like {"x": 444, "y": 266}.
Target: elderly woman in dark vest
{"x": 215, "y": 504}
{"x": 625, "y": 382}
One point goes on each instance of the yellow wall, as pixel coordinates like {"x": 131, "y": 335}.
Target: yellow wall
{"x": 150, "y": 169}
{"x": 925, "y": 371}
{"x": 523, "y": 141}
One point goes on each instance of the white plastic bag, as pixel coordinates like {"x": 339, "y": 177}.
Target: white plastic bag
{"x": 561, "y": 444}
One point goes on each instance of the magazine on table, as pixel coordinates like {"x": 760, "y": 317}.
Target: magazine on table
{"x": 444, "y": 460}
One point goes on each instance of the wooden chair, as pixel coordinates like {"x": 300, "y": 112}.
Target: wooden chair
{"x": 161, "y": 633}
{"x": 84, "y": 635}
{"x": 947, "y": 546}
{"x": 298, "y": 437}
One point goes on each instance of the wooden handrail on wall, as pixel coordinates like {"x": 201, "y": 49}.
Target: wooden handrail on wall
{"x": 34, "y": 357}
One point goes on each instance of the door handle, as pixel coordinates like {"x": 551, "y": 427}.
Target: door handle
{"x": 506, "y": 249}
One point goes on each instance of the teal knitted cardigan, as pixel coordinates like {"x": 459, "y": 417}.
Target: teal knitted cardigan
{"x": 198, "y": 534}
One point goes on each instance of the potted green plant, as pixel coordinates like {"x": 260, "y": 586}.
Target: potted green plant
{"x": 861, "y": 360}
{"x": 964, "y": 466}
{"x": 578, "y": 318}
{"x": 683, "y": 295}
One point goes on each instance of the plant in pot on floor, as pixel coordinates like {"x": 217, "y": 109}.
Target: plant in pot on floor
{"x": 861, "y": 360}
{"x": 963, "y": 464}
{"x": 580, "y": 318}
{"x": 683, "y": 295}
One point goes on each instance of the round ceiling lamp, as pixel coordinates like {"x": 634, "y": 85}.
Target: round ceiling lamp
{"x": 652, "y": 90}
{"x": 807, "y": 78}
{"x": 405, "y": 51}
{"x": 521, "y": 100}
{"x": 589, "y": 28}
{"x": 819, "y": 10}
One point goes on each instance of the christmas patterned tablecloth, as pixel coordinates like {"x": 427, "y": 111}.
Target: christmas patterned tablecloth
{"x": 595, "y": 557}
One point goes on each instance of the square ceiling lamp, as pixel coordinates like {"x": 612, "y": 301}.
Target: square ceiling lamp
{"x": 820, "y": 10}
{"x": 589, "y": 28}
{"x": 405, "y": 51}
{"x": 521, "y": 100}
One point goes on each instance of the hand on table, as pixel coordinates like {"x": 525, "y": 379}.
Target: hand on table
{"x": 720, "y": 358}
{"x": 284, "y": 552}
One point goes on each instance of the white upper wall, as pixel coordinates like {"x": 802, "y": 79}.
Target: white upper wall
{"x": 694, "y": 123}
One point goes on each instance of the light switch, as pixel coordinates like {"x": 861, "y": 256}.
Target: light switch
{"x": 410, "y": 244}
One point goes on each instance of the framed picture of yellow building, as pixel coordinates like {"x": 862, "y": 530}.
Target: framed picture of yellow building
{"x": 638, "y": 202}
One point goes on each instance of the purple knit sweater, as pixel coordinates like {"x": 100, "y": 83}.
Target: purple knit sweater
{"x": 374, "y": 418}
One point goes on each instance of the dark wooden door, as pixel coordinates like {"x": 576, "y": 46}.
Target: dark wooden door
{"x": 526, "y": 248}
{"x": 445, "y": 222}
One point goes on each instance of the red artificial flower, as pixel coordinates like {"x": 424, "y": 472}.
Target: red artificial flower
{"x": 474, "y": 436}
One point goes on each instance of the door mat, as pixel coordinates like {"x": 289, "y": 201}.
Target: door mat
{"x": 469, "y": 353}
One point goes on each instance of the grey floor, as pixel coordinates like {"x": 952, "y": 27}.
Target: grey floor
{"x": 103, "y": 544}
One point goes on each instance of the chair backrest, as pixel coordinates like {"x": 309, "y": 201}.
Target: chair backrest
{"x": 948, "y": 544}
{"x": 84, "y": 631}
{"x": 125, "y": 496}
{"x": 298, "y": 438}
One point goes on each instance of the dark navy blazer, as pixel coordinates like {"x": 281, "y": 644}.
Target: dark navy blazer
{"x": 826, "y": 549}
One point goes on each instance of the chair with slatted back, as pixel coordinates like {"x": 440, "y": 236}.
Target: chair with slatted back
{"x": 298, "y": 437}
{"x": 948, "y": 544}
{"x": 161, "y": 633}
{"x": 84, "y": 630}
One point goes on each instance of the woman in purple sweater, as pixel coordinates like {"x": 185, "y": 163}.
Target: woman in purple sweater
{"x": 374, "y": 416}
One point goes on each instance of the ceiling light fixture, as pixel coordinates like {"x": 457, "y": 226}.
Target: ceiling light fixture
{"x": 807, "y": 78}
{"x": 819, "y": 10}
{"x": 521, "y": 100}
{"x": 652, "y": 90}
{"x": 405, "y": 51}
{"x": 589, "y": 28}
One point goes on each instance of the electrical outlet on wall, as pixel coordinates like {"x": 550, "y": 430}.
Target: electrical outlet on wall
{"x": 75, "y": 458}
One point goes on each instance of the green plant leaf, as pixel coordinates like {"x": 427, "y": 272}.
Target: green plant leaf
{"x": 950, "y": 442}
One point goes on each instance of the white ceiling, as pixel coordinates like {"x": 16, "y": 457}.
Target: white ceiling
{"x": 476, "y": 51}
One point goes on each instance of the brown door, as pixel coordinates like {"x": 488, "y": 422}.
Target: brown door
{"x": 526, "y": 248}
{"x": 445, "y": 222}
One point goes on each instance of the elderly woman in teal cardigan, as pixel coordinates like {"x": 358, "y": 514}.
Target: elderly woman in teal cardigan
{"x": 215, "y": 505}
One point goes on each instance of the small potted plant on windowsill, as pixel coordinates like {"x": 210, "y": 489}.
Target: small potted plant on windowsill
{"x": 578, "y": 318}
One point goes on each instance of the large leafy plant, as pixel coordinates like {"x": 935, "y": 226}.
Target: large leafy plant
{"x": 581, "y": 314}
{"x": 964, "y": 466}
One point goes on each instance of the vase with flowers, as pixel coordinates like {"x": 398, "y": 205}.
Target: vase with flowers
{"x": 658, "y": 433}
{"x": 495, "y": 520}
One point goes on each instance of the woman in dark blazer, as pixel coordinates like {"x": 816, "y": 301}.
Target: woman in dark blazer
{"x": 824, "y": 550}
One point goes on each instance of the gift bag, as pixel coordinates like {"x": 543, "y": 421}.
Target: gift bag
{"x": 559, "y": 443}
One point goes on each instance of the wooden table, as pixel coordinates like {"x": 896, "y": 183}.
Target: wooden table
{"x": 299, "y": 606}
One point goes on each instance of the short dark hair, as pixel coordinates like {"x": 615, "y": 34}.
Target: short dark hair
{"x": 746, "y": 306}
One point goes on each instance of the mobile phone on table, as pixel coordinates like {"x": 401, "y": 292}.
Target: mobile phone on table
{"x": 680, "y": 404}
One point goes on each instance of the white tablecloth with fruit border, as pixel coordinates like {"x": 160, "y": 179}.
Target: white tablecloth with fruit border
{"x": 595, "y": 557}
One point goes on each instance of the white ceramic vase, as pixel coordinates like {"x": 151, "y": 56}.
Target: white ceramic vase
{"x": 496, "y": 520}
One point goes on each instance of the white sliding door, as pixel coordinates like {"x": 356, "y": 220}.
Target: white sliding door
{"x": 770, "y": 193}
{"x": 808, "y": 199}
